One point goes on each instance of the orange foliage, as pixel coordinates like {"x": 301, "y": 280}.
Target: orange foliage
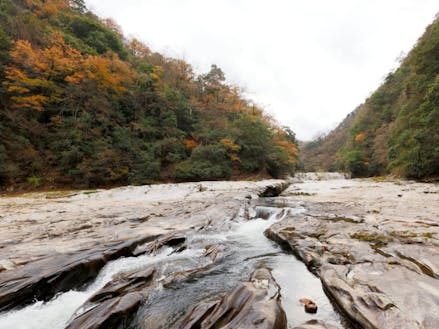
{"x": 34, "y": 102}
{"x": 39, "y": 70}
{"x": 291, "y": 150}
{"x": 288, "y": 146}
{"x": 35, "y": 78}
{"x": 232, "y": 148}
{"x": 190, "y": 143}
{"x": 109, "y": 73}
{"x": 46, "y": 8}
{"x": 139, "y": 49}
{"x": 360, "y": 137}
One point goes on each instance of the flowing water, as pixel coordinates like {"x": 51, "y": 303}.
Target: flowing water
{"x": 244, "y": 248}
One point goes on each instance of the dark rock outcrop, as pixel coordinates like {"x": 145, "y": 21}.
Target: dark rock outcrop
{"x": 115, "y": 303}
{"x": 173, "y": 239}
{"x": 213, "y": 251}
{"x": 274, "y": 189}
{"x": 309, "y": 305}
{"x": 252, "y": 305}
{"x": 44, "y": 278}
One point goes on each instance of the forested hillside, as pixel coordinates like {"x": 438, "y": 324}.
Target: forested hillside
{"x": 83, "y": 106}
{"x": 396, "y": 130}
{"x": 321, "y": 153}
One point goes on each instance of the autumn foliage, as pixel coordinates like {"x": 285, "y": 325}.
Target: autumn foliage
{"x": 35, "y": 77}
{"x": 82, "y": 106}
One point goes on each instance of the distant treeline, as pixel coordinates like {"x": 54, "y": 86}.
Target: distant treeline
{"x": 83, "y": 106}
{"x": 396, "y": 130}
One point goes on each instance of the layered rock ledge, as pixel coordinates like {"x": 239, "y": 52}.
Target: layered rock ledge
{"x": 54, "y": 242}
{"x": 375, "y": 246}
{"x": 252, "y": 305}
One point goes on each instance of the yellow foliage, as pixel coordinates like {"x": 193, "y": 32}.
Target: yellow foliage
{"x": 360, "y": 137}
{"x": 18, "y": 89}
{"x": 35, "y": 75}
{"x": 230, "y": 144}
{"x": 233, "y": 148}
{"x": 290, "y": 149}
{"x": 234, "y": 157}
{"x": 45, "y": 8}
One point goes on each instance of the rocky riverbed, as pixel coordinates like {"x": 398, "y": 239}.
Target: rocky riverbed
{"x": 375, "y": 246}
{"x": 194, "y": 255}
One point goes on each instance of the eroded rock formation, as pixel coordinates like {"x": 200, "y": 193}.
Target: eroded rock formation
{"x": 376, "y": 256}
{"x": 115, "y": 303}
{"x": 44, "y": 278}
{"x": 252, "y": 305}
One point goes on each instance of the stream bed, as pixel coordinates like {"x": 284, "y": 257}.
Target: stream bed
{"x": 243, "y": 249}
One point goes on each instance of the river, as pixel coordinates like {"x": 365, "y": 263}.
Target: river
{"x": 244, "y": 249}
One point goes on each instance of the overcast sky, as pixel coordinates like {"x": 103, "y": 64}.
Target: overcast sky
{"x": 307, "y": 62}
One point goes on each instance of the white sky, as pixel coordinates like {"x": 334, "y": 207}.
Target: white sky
{"x": 307, "y": 62}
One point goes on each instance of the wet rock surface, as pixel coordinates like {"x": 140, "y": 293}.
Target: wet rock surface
{"x": 47, "y": 238}
{"x": 173, "y": 239}
{"x": 314, "y": 324}
{"x": 153, "y": 252}
{"x": 253, "y": 304}
{"x": 115, "y": 303}
{"x": 38, "y": 225}
{"x": 54, "y": 246}
{"x": 44, "y": 278}
{"x": 377, "y": 256}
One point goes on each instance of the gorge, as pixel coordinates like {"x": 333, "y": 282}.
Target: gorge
{"x": 175, "y": 255}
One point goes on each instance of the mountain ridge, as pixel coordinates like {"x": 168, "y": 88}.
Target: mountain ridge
{"x": 396, "y": 130}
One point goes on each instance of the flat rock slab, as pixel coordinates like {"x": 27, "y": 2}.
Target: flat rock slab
{"x": 375, "y": 247}
{"x": 383, "y": 295}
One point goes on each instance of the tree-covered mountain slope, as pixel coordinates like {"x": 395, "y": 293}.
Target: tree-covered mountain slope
{"x": 321, "y": 153}
{"x": 81, "y": 106}
{"x": 396, "y": 130}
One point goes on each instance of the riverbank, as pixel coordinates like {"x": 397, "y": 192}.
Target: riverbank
{"x": 36, "y": 225}
{"x": 374, "y": 245}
